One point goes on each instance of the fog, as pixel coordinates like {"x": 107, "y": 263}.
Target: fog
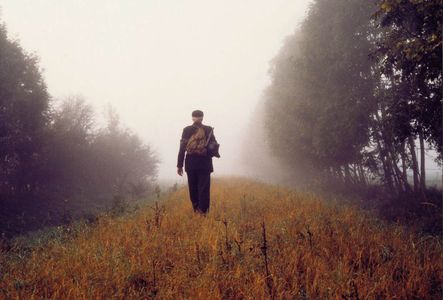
{"x": 156, "y": 61}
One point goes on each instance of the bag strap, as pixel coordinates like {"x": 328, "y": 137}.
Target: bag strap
{"x": 209, "y": 136}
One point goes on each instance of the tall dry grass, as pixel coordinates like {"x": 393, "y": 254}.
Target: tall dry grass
{"x": 259, "y": 241}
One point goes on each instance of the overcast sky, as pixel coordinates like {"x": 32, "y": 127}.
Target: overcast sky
{"x": 156, "y": 61}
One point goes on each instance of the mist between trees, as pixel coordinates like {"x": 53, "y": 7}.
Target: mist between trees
{"x": 354, "y": 100}
{"x": 55, "y": 162}
{"x": 355, "y": 96}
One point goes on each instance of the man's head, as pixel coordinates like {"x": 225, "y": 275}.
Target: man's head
{"x": 197, "y": 116}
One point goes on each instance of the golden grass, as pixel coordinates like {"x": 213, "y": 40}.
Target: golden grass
{"x": 315, "y": 250}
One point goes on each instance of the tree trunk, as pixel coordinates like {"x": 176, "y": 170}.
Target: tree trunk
{"x": 379, "y": 136}
{"x": 404, "y": 168}
{"x": 400, "y": 180}
{"x": 397, "y": 183}
{"x": 422, "y": 163}
{"x": 361, "y": 172}
{"x": 414, "y": 164}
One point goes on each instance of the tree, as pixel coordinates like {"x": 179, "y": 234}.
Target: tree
{"x": 320, "y": 96}
{"x": 354, "y": 89}
{"x": 410, "y": 56}
{"x": 51, "y": 155}
{"x": 123, "y": 163}
{"x": 24, "y": 116}
{"x": 68, "y": 150}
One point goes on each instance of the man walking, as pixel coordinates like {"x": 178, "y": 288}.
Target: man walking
{"x": 198, "y": 162}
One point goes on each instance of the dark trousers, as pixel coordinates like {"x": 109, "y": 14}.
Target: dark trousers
{"x": 199, "y": 182}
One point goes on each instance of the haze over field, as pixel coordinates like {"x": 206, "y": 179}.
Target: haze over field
{"x": 156, "y": 61}
{"x": 328, "y": 112}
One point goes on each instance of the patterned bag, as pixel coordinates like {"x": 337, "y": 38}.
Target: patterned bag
{"x": 197, "y": 143}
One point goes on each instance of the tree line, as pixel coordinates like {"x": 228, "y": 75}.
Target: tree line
{"x": 55, "y": 156}
{"x": 355, "y": 95}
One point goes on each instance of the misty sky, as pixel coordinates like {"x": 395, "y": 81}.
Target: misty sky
{"x": 156, "y": 61}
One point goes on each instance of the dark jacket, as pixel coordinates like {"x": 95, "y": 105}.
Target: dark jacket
{"x": 192, "y": 161}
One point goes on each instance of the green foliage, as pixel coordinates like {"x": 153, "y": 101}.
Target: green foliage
{"x": 318, "y": 100}
{"x": 55, "y": 164}
{"x": 24, "y": 105}
{"x": 354, "y": 87}
{"x": 411, "y": 48}
{"x": 85, "y": 162}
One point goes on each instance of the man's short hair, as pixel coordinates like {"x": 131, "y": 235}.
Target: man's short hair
{"x": 197, "y": 113}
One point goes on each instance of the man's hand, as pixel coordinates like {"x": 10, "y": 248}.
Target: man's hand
{"x": 180, "y": 171}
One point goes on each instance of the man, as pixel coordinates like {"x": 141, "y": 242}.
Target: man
{"x": 198, "y": 162}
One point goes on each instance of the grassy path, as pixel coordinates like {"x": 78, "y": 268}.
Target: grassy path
{"x": 314, "y": 250}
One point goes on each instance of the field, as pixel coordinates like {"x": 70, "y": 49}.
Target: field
{"x": 259, "y": 241}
